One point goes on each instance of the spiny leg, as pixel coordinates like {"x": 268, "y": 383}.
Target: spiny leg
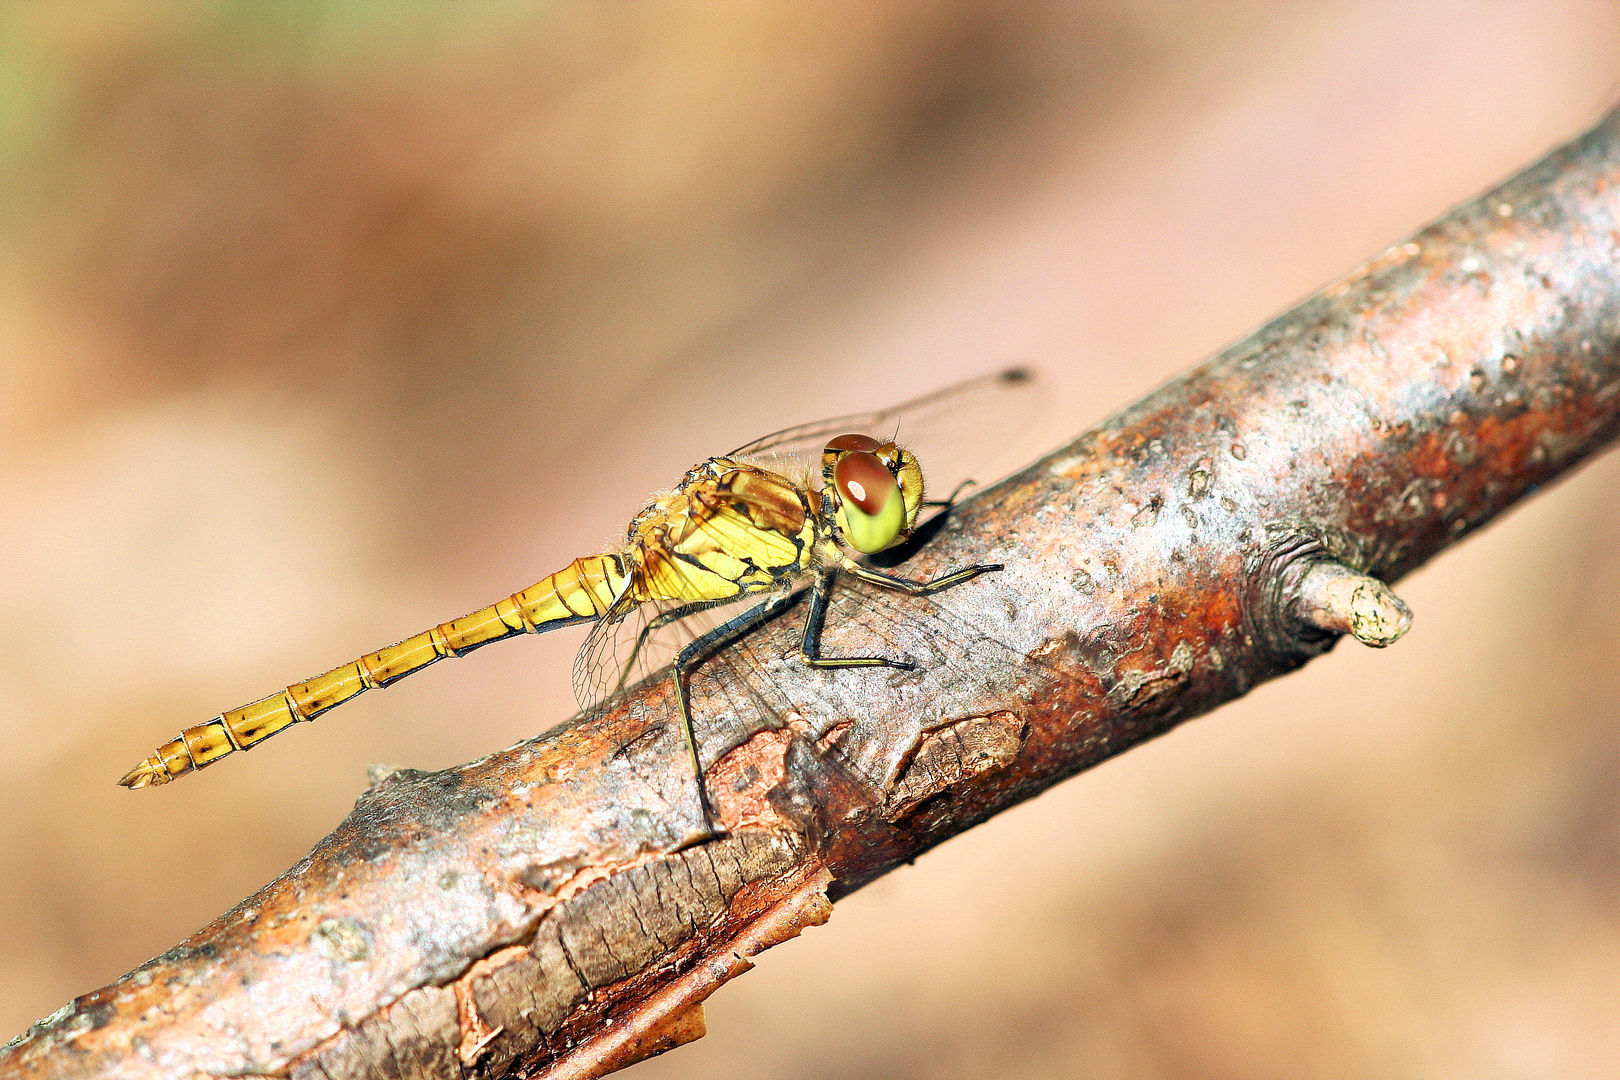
{"x": 956, "y": 493}
{"x": 918, "y": 588}
{"x": 654, "y": 625}
{"x": 712, "y": 641}
{"x": 698, "y": 651}
{"x": 810, "y": 644}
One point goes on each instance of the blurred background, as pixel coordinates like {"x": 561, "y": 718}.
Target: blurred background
{"x": 323, "y": 322}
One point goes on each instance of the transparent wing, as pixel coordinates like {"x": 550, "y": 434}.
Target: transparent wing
{"x": 762, "y": 679}
{"x": 938, "y": 634}
{"x": 598, "y": 670}
{"x": 963, "y": 432}
{"x": 814, "y": 435}
{"x": 643, "y": 641}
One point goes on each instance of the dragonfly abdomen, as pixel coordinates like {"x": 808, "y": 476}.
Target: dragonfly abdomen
{"x": 580, "y": 592}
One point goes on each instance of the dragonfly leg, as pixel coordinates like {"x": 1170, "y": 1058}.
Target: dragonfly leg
{"x": 810, "y": 644}
{"x": 956, "y": 493}
{"x": 652, "y": 627}
{"x": 917, "y": 588}
{"x": 697, "y": 652}
{"x": 810, "y": 647}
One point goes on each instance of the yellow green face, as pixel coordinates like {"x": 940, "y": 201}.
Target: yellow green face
{"x": 876, "y": 490}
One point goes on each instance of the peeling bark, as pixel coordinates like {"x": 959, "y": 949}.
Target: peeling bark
{"x": 556, "y": 908}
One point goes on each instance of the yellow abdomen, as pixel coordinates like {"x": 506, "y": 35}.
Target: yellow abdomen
{"x": 580, "y": 592}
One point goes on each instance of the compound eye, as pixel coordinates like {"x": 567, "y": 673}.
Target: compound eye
{"x": 863, "y": 443}
{"x": 871, "y": 505}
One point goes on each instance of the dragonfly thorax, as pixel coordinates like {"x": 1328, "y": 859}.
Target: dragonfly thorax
{"x": 729, "y": 530}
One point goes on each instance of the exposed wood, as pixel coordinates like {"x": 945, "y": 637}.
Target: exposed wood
{"x": 556, "y": 907}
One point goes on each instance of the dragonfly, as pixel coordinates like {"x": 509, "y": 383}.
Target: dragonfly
{"x": 749, "y": 525}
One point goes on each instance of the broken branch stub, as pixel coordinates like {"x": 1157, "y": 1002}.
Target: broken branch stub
{"x": 556, "y": 907}
{"x": 1336, "y": 600}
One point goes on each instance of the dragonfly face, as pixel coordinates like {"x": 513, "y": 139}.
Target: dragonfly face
{"x": 870, "y": 492}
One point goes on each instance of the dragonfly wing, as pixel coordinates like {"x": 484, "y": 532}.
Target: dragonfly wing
{"x": 958, "y": 433}
{"x": 815, "y": 435}
{"x": 595, "y": 673}
{"x": 643, "y": 640}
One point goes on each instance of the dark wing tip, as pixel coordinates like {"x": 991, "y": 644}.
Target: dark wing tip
{"x": 1017, "y": 375}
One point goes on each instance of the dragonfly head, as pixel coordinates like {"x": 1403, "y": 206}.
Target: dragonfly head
{"x": 871, "y": 491}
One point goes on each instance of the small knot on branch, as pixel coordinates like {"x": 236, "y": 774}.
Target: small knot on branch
{"x": 1334, "y": 598}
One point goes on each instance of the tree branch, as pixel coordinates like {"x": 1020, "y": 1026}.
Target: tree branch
{"x": 554, "y": 908}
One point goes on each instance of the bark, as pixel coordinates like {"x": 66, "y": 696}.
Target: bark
{"x": 555, "y": 909}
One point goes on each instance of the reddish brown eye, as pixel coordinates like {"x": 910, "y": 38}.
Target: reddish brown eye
{"x": 863, "y": 443}
{"x": 863, "y": 479}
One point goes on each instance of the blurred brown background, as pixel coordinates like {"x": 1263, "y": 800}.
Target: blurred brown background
{"x": 323, "y": 322}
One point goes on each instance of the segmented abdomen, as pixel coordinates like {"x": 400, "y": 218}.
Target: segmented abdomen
{"x": 579, "y": 592}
